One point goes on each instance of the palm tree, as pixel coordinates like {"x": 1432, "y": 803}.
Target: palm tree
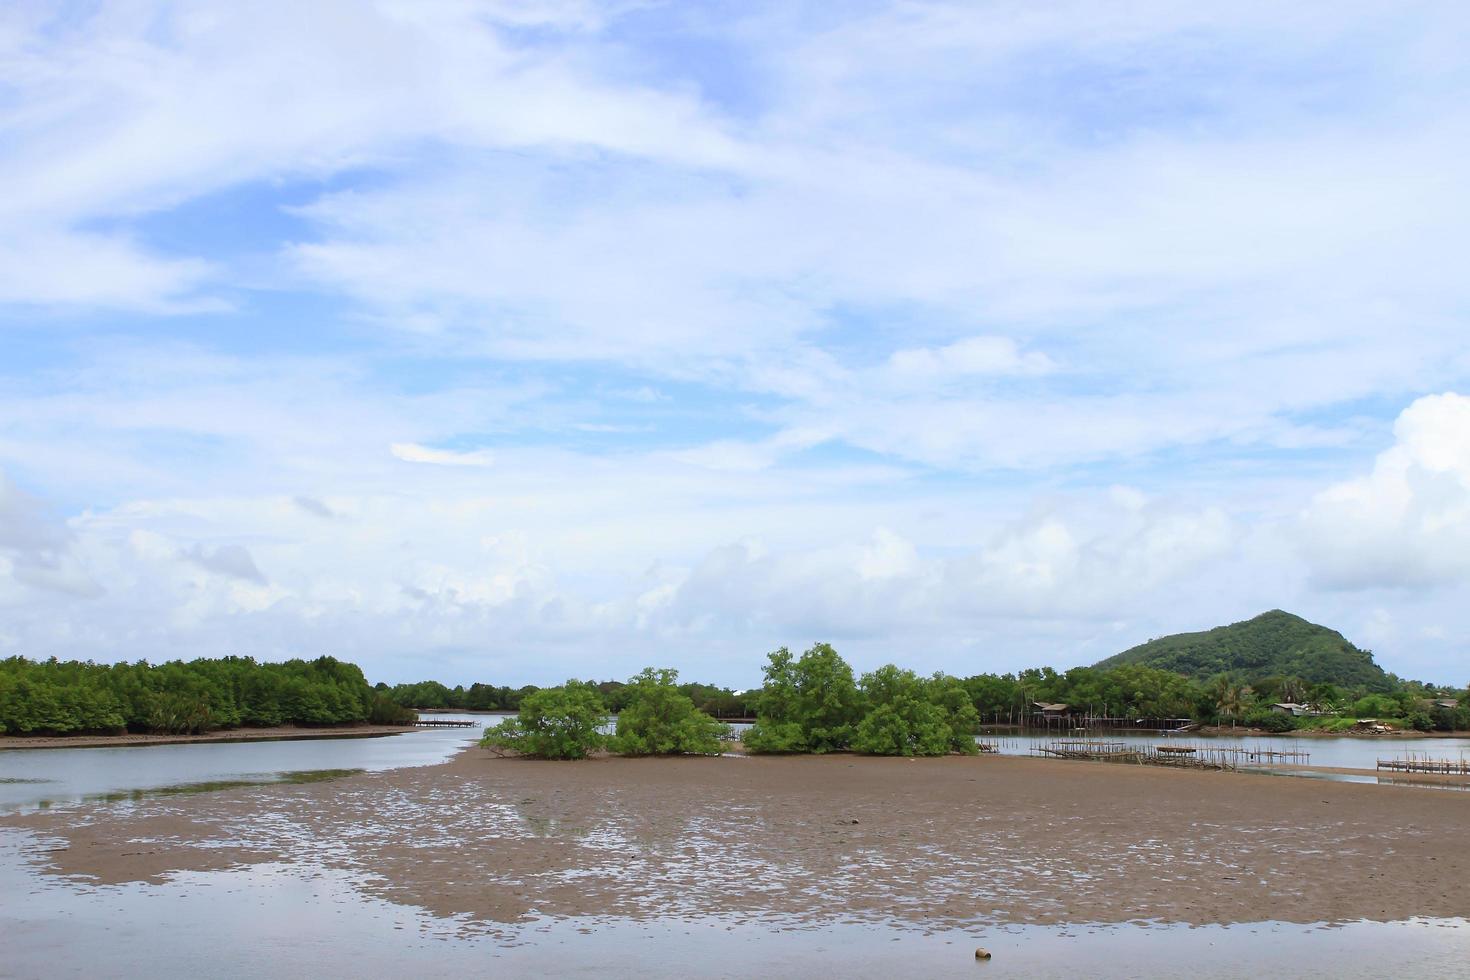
{"x": 1230, "y": 699}
{"x": 1293, "y": 689}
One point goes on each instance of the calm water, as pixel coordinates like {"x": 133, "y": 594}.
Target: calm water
{"x": 31, "y": 778}
{"x": 34, "y": 778}
{"x": 1342, "y": 753}
{"x": 278, "y": 920}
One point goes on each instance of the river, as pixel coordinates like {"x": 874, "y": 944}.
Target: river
{"x": 34, "y": 778}
{"x": 52, "y": 777}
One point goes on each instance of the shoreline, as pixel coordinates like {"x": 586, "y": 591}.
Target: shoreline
{"x": 1214, "y": 731}
{"x": 280, "y": 733}
{"x": 962, "y": 841}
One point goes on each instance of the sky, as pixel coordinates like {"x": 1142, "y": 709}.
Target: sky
{"x": 507, "y": 340}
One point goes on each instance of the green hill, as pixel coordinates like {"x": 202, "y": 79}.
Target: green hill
{"x": 1273, "y": 643}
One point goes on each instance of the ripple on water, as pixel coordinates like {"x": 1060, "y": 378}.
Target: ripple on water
{"x": 278, "y": 919}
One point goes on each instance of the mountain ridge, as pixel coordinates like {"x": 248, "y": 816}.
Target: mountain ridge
{"x": 1274, "y": 643}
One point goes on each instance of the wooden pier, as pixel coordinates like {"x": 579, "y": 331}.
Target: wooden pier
{"x": 1443, "y": 767}
{"x": 1231, "y": 758}
{"x": 444, "y": 723}
{"x": 1093, "y": 749}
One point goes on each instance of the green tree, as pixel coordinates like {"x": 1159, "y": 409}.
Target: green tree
{"x": 659, "y": 719}
{"x": 996, "y": 697}
{"x": 960, "y": 717}
{"x": 554, "y": 723}
{"x": 1377, "y": 706}
{"x": 809, "y": 704}
{"x": 902, "y": 719}
{"x": 1231, "y": 698}
{"x": 177, "y": 697}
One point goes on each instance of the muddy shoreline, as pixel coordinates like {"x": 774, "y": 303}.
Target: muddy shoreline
{"x": 943, "y": 842}
{"x": 280, "y": 733}
{"x": 1213, "y": 731}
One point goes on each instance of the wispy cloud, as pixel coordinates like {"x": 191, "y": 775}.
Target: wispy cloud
{"x": 411, "y": 452}
{"x": 841, "y": 319}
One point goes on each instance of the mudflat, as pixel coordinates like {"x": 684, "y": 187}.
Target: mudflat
{"x": 951, "y": 842}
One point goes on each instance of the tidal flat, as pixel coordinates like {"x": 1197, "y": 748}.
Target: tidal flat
{"x": 782, "y": 865}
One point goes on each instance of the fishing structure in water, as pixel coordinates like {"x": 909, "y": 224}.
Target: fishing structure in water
{"x": 1413, "y": 762}
{"x": 1174, "y": 755}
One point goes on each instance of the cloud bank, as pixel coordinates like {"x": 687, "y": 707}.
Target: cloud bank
{"x": 491, "y": 340}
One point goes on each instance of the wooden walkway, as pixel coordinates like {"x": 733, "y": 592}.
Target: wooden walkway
{"x": 1173, "y": 755}
{"x": 444, "y": 723}
{"x": 1447, "y": 767}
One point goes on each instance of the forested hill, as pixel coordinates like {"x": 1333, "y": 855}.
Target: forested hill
{"x": 1274, "y": 643}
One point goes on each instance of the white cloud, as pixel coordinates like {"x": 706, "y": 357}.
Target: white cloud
{"x": 1014, "y": 377}
{"x": 411, "y": 452}
{"x": 746, "y": 456}
{"x": 1407, "y": 523}
{"x": 1222, "y": 238}
{"x": 36, "y": 550}
{"x": 48, "y": 267}
{"x": 968, "y": 357}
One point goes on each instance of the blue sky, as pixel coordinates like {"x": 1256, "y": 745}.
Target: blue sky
{"x": 515, "y": 340}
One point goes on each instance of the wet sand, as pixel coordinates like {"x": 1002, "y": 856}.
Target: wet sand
{"x": 953, "y": 842}
{"x": 279, "y": 733}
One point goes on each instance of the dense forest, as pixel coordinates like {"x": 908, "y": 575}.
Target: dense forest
{"x": 1230, "y": 675}
{"x": 1275, "y": 643}
{"x": 64, "y": 697}
{"x": 1126, "y": 691}
{"x": 815, "y": 704}
{"x": 721, "y": 702}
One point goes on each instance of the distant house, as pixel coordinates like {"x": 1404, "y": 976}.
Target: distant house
{"x": 1439, "y": 704}
{"x": 1050, "y": 710}
{"x": 1291, "y": 708}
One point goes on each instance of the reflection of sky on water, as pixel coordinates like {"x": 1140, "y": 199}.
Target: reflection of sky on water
{"x": 276, "y": 920}
{"x": 34, "y": 777}
{"x": 1343, "y": 753}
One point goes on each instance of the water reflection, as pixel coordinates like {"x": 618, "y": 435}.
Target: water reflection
{"x": 31, "y": 779}
{"x": 1370, "y": 779}
{"x": 279, "y": 919}
{"x": 38, "y": 778}
{"x": 1335, "y": 752}
{"x": 217, "y": 785}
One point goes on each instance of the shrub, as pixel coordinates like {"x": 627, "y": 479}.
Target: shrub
{"x": 903, "y": 718}
{"x": 809, "y": 704}
{"x": 385, "y": 711}
{"x": 658, "y": 719}
{"x": 1419, "y": 721}
{"x": 960, "y": 714}
{"x": 1377, "y": 706}
{"x": 1271, "y": 721}
{"x": 554, "y": 723}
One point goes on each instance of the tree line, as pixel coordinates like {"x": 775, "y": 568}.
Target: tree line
{"x": 815, "y": 703}
{"x": 178, "y": 697}
{"x": 62, "y": 697}
{"x": 808, "y": 704}
{"x": 1127, "y": 692}
{"x": 719, "y": 702}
